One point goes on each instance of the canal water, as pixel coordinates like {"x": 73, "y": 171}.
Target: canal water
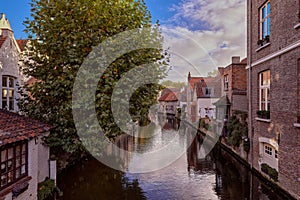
{"x": 216, "y": 176}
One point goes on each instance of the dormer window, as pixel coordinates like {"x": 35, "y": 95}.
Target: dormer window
{"x": 208, "y": 92}
{"x": 8, "y": 93}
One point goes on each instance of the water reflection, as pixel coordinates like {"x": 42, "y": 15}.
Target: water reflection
{"x": 192, "y": 176}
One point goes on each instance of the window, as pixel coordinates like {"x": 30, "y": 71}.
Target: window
{"x": 226, "y": 82}
{"x": 208, "y": 91}
{"x": 276, "y": 154}
{"x": 8, "y": 92}
{"x": 268, "y": 150}
{"x": 265, "y": 21}
{"x": 264, "y": 90}
{"x": 13, "y": 164}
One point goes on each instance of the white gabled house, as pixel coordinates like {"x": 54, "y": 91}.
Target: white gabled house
{"x": 24, "y": 158}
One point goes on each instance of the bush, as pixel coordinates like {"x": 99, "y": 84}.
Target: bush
{"x": 236, "y": 130}
{"x": 47, "y": 189}
{"x": 273, "y": 174}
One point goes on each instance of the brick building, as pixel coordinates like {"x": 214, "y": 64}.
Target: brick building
{"x": 273, "y": 55}
{"x": 234, "y": 85}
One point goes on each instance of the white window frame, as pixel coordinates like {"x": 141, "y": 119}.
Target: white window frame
{"x": 226, "y": 82}
{"x": 268, "y": 150}
{"x": 208, "y": 91}
{"x": 10, "y": 102}
{"x": 265, "y": 28}
{"x": 266, "y": 88}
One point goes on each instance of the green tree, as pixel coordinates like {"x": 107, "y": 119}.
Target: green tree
{"x": 62, "y": 33}
{"x": 213, "y": 73}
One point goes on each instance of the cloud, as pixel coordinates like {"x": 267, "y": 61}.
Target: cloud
{"x": 205, "y": 34}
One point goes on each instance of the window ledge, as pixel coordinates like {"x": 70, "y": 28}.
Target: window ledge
{"x": 262, "y": 47}
{"x": 297, "y": 125}
{"x": 9, "y": 189}
{"x": 263, "y": 120}
{"x": 297, "y": 26}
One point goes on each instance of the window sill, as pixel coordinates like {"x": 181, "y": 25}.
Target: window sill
{"x": 262, "y": 47}
{"x": 297, "y": 125}
{"x": 263, "y": 120}
{"x": 297, "y": 26}
{"x": 10, "y": 188}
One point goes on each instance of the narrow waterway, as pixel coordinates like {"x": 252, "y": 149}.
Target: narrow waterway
{"x": 217, "y": 176}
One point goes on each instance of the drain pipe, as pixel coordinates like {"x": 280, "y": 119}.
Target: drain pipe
{"x": 249, "y": 63}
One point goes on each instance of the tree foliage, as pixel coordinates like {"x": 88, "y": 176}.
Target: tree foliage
{"x": 62, "y": 33}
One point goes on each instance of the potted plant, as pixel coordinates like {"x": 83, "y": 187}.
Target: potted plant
{"x": 264, "y": 114}
{"x": 298, "y": 117}
{"x": 260, "y": 43}
{"x": 267, "y": 39}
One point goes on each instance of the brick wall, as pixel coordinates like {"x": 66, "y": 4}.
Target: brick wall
{"x": 283, "y": 89}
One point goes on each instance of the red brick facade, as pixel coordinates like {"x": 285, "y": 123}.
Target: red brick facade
{"x": 280, "y": 55}
{"x": 237, "y": 84}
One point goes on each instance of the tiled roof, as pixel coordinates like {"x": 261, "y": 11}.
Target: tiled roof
{"x": 2, "y": 40}
{"x": 14, "y": 127}
{"x": 22, "y": 44}
{"x": 169, "y": 95}
{"x": 211, "y": 82}
{"x": 194, "y": 80}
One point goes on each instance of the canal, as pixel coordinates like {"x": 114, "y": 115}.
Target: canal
{"x": 216, "y": 176}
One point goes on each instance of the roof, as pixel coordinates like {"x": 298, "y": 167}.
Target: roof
{"x": 244, "y": 61}
{"x": 14, "y": 127}
{"x": 2, "y": 40}
{"x": 169, "y": 95}
{"x": 210, "y": 82}
{"x": 223, "y": 101}
{"x": 22, "y": 44}
{"x": 4, "y": 23}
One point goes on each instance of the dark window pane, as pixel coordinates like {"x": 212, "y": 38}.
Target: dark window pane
{"x": 4, "y": 81}
{"x": 4, "y": 104}
{"x": 3, "y": 168}
{"x": 11, "y": 82}
{"x": 3, "y": 180}
{"x": 11, "y": 105}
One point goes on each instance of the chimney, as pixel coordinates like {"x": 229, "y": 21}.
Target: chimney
{"x": 189, "y": 76}
{"x": 235, "y": 59}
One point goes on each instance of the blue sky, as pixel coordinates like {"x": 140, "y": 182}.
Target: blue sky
{"x": 201, "y": 34}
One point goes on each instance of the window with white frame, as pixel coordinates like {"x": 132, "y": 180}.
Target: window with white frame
{"x": 8, "y": 92}
{"x": 264, "y": 90}
{"x": 268, "y": 150}
{"x": 226, "y": 82}
{"x": 265, "y": 20}
{"x": 208, "y": 92}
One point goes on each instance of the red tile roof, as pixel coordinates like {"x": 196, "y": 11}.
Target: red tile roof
{"x": 169, "y": 95}
{"x": 2, "y": 40}
{"x": 14, "y": 127}
{"x": 211, "y": 82}
{"x": 22, "y": 44}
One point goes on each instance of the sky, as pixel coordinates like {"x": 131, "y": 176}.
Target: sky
{"x": 200, "y": 35}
